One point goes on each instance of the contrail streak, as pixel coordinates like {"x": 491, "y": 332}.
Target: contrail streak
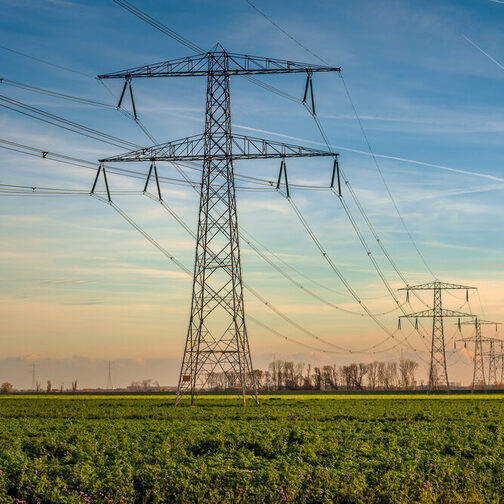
{"x": 481, "y": 50}
{"x": 382, "y": 156}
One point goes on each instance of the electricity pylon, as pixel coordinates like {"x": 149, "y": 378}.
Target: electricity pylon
{"x": 438, "y": 372}
{"x": 217, "y": 337}
{"x": 492, "y": 362}
{"x": 479, "y": 355}
{"x": 109, "y": 376}
{"x": 34, "y": 381}
{"x": 501, "y": 361}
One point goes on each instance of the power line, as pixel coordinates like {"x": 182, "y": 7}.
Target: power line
{"x": 361, "y": 126}
{"x": 45, "y": 62}
{"x": 51, "y": 191}
{"x": 271, "y": 263}
{"x": 194, "y": 47}
{"x": 56, "y": 94}
{"x": 61, "y": 122}
{"x": 248, "y": 287}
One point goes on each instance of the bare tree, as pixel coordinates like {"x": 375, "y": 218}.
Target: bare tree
{"x": 392, "y": 375}
{"x": 74, "y": 386}
{"x": 289, "y": 375}
{"x": 6, "y": 388}
{"x": 38, "y": 386}
{"x": 134, "y": 386}
{"x": 361, "y": 371}
{"x": 372, "y": 375}
{"x": 146, "y": 384}
{"x": 49, "y": 386}
{"x": 298, "y": 374}
{"x": 259, "y": 377}
{"x": 317, "y": 378}
{"x": 382, "y": 375}
{"x": 307, "y": 380}
{"x": 348, "y": 375}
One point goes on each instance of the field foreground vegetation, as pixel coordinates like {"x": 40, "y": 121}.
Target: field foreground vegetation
{"x": 308, "y": 449}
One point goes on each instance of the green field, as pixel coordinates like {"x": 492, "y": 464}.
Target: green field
{"x": 295, "y": 448}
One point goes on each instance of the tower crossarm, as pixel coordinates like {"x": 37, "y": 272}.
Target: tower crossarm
{"x": 478, "y": 321}
{"x": 431, "y": 313}
{"x": 436, "y": 285}
{"x": 193, "y": 149}
{"x": 201, "y": 65}
{"x": 475, "y": 338}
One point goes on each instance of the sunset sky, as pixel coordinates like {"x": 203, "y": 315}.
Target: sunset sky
{"x": 80, "y": 286}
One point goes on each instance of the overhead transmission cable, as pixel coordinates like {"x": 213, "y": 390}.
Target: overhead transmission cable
{"x": 45, "y": 62}
{"x": 164, "y": 29}
{"x": 192, "y": 46}
{"x": 363, "y": 131}
{"x": 270, "y": 262}
{"x": 296, "y": 100}
{"x": 92, "y": 165}
{"x": 336, "y": 270}
{"x": 358, "y": 232}
{"x": 248, "y": 287}
{"x": 24, "y": 190}
{"x": 354, "y": 196}
{"x": 60, "y": 122}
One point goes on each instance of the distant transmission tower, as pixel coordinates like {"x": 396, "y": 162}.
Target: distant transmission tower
{"x": 438, "y": 372}
{"x": 479, "y": 380}
{"x": 217, "y": 338}
{"x": 109, "y": 377}
{"x": 501, "y": 361}
{"x": 34, "y": 381}
{"x": 492, "y": 362}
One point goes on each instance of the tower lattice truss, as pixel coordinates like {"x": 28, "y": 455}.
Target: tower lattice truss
{"x": 438, "y": 371}
{"x": 217, "y": 340}
{"x": 479, "y": 380}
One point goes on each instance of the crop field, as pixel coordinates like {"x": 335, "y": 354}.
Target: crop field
{"x": 308, "y": 449}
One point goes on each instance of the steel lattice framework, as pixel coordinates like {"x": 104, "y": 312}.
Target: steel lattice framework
{"x": 217, "y": 338}
{"x": 479, "y": 380}
{"x": 438, "y": 372}
{"x": 501, "y": 361}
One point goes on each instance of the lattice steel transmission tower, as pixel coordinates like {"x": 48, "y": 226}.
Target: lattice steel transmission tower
{"x": 501, "y": 361}
{"x": 479, "y": 379}
{"x": 492, "y": 362}
{"x": 109, "y": 376}
{"x": 33, "y": 380}
{"x": 438, "y": 372}
{"x": 217, "y": 336}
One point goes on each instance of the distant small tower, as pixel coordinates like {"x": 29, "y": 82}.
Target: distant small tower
{"x": 34, "y": 381}
{"x": 438, "y": 373}
{"x": 109, "y": 378}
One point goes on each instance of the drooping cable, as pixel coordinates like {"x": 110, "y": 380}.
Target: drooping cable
{"x": 363, "y": 131}
{"x": 248, "y": 287}
{"x": 186, "y": 270}
{"x": 194, "y": 47}
{"x": 61, "y": 122}
{"x": 31, "y": 190}
{"x": 270, "y": 262}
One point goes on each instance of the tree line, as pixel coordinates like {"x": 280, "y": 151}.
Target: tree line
{"x": 290, "y": 375}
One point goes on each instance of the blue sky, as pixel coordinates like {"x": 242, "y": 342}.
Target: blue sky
{"x": 78, "y": 281}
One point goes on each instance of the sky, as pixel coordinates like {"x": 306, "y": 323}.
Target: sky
{"x": 80, "y": 286}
